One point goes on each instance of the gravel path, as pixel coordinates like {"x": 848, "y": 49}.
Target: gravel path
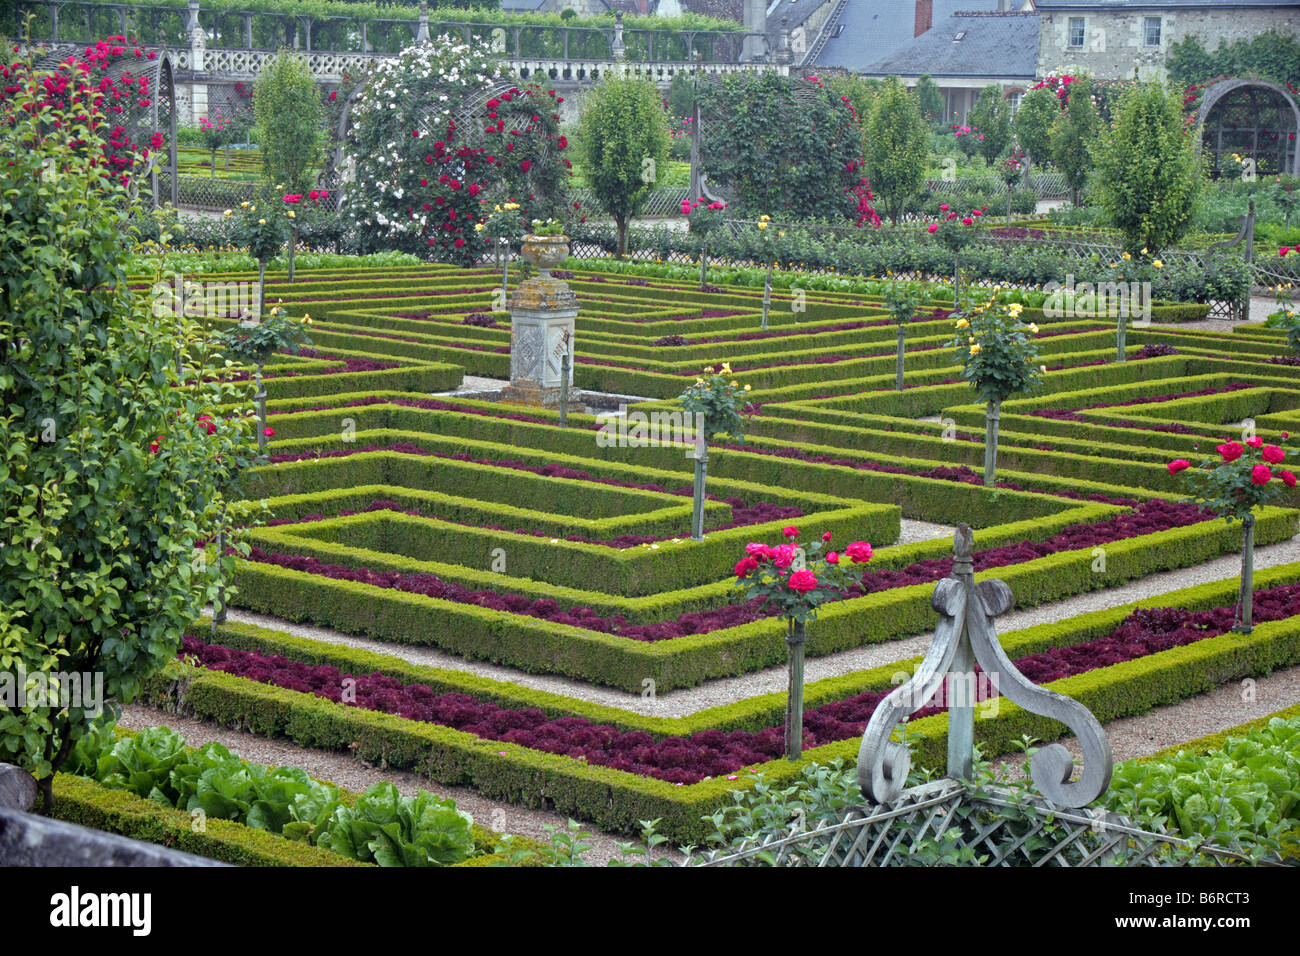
{"x": 352, "y": 774}
{"x": 1226, "y": 706}
{"x": 679, "y": 703}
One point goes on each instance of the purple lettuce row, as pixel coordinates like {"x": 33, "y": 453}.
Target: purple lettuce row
{"x": 1283, "y": 360}
{"x": 960, "y": 473}
{"x": 1147, "y": 518}
{"x": 1072, "y": 414}
{"x": 400, "y": 294}
{"x": 709, "y": 753}
{"x": 742, "y": 515}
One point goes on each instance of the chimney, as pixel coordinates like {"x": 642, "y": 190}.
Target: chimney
{"x": 924, "y": 17}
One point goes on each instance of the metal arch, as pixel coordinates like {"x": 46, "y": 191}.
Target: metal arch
{"x": 1215, "y": 93}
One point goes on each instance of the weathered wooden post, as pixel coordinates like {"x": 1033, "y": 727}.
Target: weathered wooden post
{"x": 564, "y": 387}
{"x": 992, "y": 415}
{"x": 795, "y": 640}
{"x": 964, "y": 636}
{"x": 1246, "y": 595}
{"x": 701, "y": 456}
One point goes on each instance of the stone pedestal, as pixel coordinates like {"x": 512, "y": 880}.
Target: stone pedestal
{"x": 542, "y": 314}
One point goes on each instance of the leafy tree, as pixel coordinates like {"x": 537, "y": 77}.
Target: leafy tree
{"x": 895, "y": 147}
{"x": 115, "y": 481}
{"x": 1033, "y": 123}
{"x": 1072, "y": 135}
{"x": 930, "y": 99}
{"x": 785, "y": 147}
{"x": 623, "y": 134}
{"x": 1148, "y": 171}
{"x": 992, "y": 117}
{"x": 861, "y": 91}
{"x": 680, "y": 100}
{"x": 290, "y": 127}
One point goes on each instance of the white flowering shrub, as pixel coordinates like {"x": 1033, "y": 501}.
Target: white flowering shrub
{"x": 426, "y": 173}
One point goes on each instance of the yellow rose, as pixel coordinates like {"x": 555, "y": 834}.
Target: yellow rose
{"x": 699, "y": 381}
{"x": 765, "y": 218}
{"x": 1043, "y": 369}
{"x": 748, "y": 387}
{"x": 478, "y": 227}
{"x": 1125, "y": 255}
{"x": 290, "y": 213}
{"x": 261, "y": 222}
{"x": 1144, "y": 250}
{"x": 974, "y": 350}
{"x": 1033, "y": 327}
{"x": 1157, "y": 263}
{"x": 963, "y": 324}
{"x": 735, "y": 384}
{"x": 762, "y": 225}
{"x": 726, "y": 368}
{"x": 228, "y": 212}
{"x": 709, "y": 369}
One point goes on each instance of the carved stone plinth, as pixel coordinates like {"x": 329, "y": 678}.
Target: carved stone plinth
{"x": 542, "y": 314}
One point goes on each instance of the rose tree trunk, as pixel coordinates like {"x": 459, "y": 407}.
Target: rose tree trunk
{"x": 795, "y": 640}
{"x": 991, "y": 440}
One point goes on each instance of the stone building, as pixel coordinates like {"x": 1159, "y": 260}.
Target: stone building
{"x": 1112, "y": 38}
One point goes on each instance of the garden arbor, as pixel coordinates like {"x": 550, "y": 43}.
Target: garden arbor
{"x": 1254, "y": 119}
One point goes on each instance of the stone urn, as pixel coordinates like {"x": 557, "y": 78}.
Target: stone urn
{"x": 545, "y": 252}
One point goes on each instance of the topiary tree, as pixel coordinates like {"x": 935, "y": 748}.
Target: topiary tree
{"x": 1072, "y": 135}
{"x": 930, "y": 99}
{"x": 289, "y": 127}
{"x": 1148, "y": 171}
{"x": 992, "y": 118}
{"x": 1032, "y": 125}
{"x": 423, "y": 176}
{"x": 623, "y": 133}
{"x": 115, "y": 481}
{"x": 895, "y": 147}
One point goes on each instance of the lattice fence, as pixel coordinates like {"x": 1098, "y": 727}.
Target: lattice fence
{"x": 945, "y": 820}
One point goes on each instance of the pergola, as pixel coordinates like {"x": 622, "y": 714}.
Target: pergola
{"x": 1254, "y": 119}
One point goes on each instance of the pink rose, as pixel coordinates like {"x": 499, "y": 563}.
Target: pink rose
{"x": 1178, "y": 465}
{"x": 1260, "y": 475}
{"x": 802, "y": 581}
{"x": 1288, "y": 479}
{"x": 833, "y": 557}
{"x": 1230, "y": 451}
{"x": 859, "y": 551}
{"x": 783, "y": 555}
{"x": 1254, "y": 442}
{"x": 1272, "y": 454}
{"x": 268, "y": 432}
{"x": 790, "y": 532}
{"x": 933, "y": 227}
{"x": 1283, "y": 251}
{"x": 758, "y": 551}
{"x": 826, "y": 536}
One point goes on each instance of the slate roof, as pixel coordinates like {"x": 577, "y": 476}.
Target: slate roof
{"x": 994, "y": 45}
{"x": 1160, "y": 4}
{"x": 875, "y": 29}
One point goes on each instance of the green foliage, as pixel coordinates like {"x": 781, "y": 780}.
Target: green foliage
{"x": 680, "y": 101}
{"x": 992, "y": 118}
{"x": 720, "y": 399}
{"x": 903, "y": 299}
{"x": 1243, "y": 479}
{"x": 997, "y": 351}
{"x": 930, "y": 99}
{"x": 276, "y": 332}
{"x": 1245, "y": 794}
{"x": 1038, "y": 110}
{"x": 289, "y": 121}
{"x": 111, "y": 478}
{"x": 784, "y": 147}
{"x": 1272, "y": 55}
{"x": 1072, "y": 135}
{"x": 382, "y": 827}
{"x": 623, "y": 134}
{"x": 895, "y": 147}
{"x": 262, "y": 225}
{"x": 1147, "y": 170}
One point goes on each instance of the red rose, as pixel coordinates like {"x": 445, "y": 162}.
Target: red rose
{"x": 802, "y": 581}
{"x": 790, "y": 532}
{"x": 967, "y": 221}
{"x": 154, "y": 445}
{"x": 744, "y": 566}
{"x": 1260, "y": 474}
{"x": 826, "y": 536}
{"x": 1230, "y": 451}
{"x": 1272, "y": 454}
{"x": 1288, "y": 479}
{"x": 268, "y": 432}
{"x": 783, "y": 555}
{"x": 1254, "y": 442}
{"x": 1283, "y": 251}
{"x": 1178, "y": 465}
{"x": 756, "y": 550}
{"x": 526, "y": 165}
{"x": 832, "y": 557}
{"x": 933, "y": 227}
{"x": 859, "y": 551}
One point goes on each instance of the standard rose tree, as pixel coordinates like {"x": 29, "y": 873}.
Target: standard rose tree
{"x": 1245, "y": 477}
{"x": 796, "y": 580}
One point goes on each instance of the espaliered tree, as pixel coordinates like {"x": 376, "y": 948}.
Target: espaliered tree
{"x": 114, "y": 480}
{"x": 1072, "y": 135}
{"x": 999, "y": 358}
{"x": 623, "y": 132}
{"x": 289, "y": 127}
{"x": 894, "y": 147}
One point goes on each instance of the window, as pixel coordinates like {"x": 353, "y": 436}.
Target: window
{"x": 1151, "y": 32}
{"x": 1076, "y": 33}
